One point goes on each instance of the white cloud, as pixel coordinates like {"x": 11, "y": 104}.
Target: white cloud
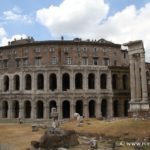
{"x": 73, "y": 16}
{"x": 16, "y": 15}
{"x": 2, "y": 32}
{"x": 88, "y": 19}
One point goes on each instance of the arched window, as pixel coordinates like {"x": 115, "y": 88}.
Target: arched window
{"x": 125, "y": 82}
{"x": 103, "y": 81}
{"x": 28, "y": 82}
{"x": 4, "y": 109}
{"x": 114, "y": 81}
{"x": 40, "y": 82}
{"x": 92, "y": 108}
{"x": 104, "y": 108}
{"x": 91, "y": 81}
{"x": 78, "y": 81}
{"x": 79, "y": 107}
{"x": 53, "y": 82}
{"x": 40, "y": 109}
{"x": 27, "y": 109}
{"x": 15, "y": 109}
{"x": 6, "y": 83}
{"x": 66, "y": 109}
{"x": 116, "y": 108}
{"x": 16, "y": 82}
{"x": 52, "y": 104}
{"x": 65, "y": 82}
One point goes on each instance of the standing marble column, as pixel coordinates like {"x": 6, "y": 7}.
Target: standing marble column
{"x": 143, "y": 78}
{"x": 132, "y": 78}
{"x": 137, "y": 80}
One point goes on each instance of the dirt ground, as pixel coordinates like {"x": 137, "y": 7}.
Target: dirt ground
{"x": 19, "y": 136}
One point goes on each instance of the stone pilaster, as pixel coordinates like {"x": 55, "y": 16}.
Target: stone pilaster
{"x": 46, "y": 82}
{"x": 72, "y": 109}
{"x": 10, "y": 111}
{"x": 109, "y": 81}
{"x": 59, "y": 108}
{"x": 143, "y": 78}
{"x": 110, "y": 107}
{"x": 46, "y": 110}
{"x": 97, "y": 81}
{"x": 72, "y": 81}
{"x": 85, "y": 109}
{"x": 34, "y": 87}
{"x": 21, "y": 110}
{"x": 98, "y": 109}
{"x": 33, "y": 110}
{"x": 85, "y": 80}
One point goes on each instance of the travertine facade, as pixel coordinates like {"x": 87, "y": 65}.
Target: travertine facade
{"x": 88, "y": 77}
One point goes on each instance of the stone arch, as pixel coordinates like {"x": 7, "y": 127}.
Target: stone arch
{"x": 65, "y": 82}
{"x": 126, "y": 107}
{"x": 28, "y": 82}
{"x": 79, "y": 107}
{"x": 15, "y": 109}
{"x": 4, "y": 109}
{"x": 6, "y": 83}
{"x": 114, "y": 81}
{"x": 92, "y": 109}
{"x": 16, "y": 83}
{"x": 78, "y": 81}
{"x": 116, "y": 108}
{"x": 66, "y": 109}
{"x": 27, "y": 109}
{"x": 52, "y": 104}
{"x": 40, "y": 109}
{"x": 52, "y": 82}
{"x": 91, "y": 81}
{"x": 103, "y": 80}
{"x": 125, "y": 82}
{"x": 104, "y": 108}
{"x": 40, "y": 81}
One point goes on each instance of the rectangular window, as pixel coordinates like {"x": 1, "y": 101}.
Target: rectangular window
{"x": 25, "y": 61}
{"x": 5, "y": 63}
{"x": 95, "y": 50}
{"x": 54, "y": 61}
{"x": 95, "y": 61}
{"x": 84, "y": 61}
{"x": 84, "y": 49}
{"x": 37, "y": 50}
{"x": 38, "y": 61}
{"x": 106, "y": 61}
{"x": 18, "y": 62}
{"x": 25, "y": 52}
{"x": 68, "y": 61}
{"x": 105, "y": 51}
{"x": 52, "y": 49}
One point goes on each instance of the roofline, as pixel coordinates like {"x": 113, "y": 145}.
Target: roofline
{"x": 61, "y": 42}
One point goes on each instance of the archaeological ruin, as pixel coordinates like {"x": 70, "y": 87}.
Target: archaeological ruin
{"x": 93, "y": 78}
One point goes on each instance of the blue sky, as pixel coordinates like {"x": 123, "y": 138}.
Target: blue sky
{"x": 115, "y": 20}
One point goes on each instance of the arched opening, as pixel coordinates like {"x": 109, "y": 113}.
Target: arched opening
{"x": 40, "y": 82}
{"x": 52, "y": 104}
{"x": 92, "y": 109}
{"x": 91, "y": 81}
{"x": 114, "y": 81}
{"x": 66, "y": 109}
{"x": 79, "y": 107}
{"x": 6, "y": 83}
{"x": 16, "y": 82}
{"x": 126, "y": 107}
{"x": 115, "y": 108}
{"x": 4, "y": 109}
{"x": 103, "y": 81}
{"x": 40, "y": 109}
{"x": 28, "y": 82}
{"x": 53, "y": 82}
{"x": 65, "y": 82}
{"x": 27, "y": 108}
{"x": 104, "y": 108}
{"x": 78, "y": 81}
{"x": 15, "y": 109}
{"x": 125, "y": 82}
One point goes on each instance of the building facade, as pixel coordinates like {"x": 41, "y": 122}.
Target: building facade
{"x": 88, "y": 77}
